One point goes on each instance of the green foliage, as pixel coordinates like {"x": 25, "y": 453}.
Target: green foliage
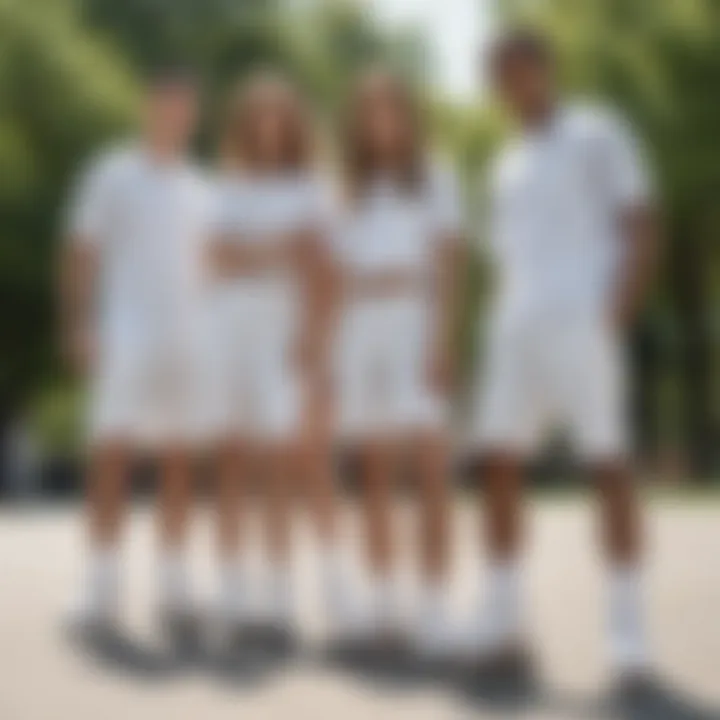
{"x": 335, "y": 39}
{"x": 321, "y": 44}
{"x": 60, "y": 94}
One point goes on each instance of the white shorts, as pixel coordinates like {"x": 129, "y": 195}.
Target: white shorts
{"x": 147, "y": 390}
{"x": 539, "y": 377}
{"x": 381, "y": 361}
{"x": 256, "y": 391}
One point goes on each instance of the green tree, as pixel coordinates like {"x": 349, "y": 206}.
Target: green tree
{"x": 319, "y": 43}
{"x": 60, "y": 94}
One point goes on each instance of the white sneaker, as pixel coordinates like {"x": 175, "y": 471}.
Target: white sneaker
{"x": 439, "y": 639}
{"x": 629, "y": 655}
{"x": 98, "y": 602}
{"x": 484, "y": 639}
{"x": 90, "y": 616}
{"x": 348, "y": 619}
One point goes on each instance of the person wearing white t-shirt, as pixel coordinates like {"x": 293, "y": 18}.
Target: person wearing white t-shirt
{"x": 571, "y": 238}
{"x": 131, "y": 290}
{"x": 396, "y": 245}
{"x": 269, "y": 319}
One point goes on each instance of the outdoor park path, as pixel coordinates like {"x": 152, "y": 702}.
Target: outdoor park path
{"x": 44, "y": 677}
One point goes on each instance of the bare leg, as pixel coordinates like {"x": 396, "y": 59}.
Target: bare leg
{"x": 619, "y": 512}
{"x": 378, "y": 466}
{"x": 278, "y": 465}
{"x": 319, "y": 474}
{"x": 175, "y": 501}
{"x": 432, "y": 631}
{"x": 231, "y": 479}
{"x": 377, "y": 469}
{"x": 500, "y": 625}
{"x": 503, "y": 481}
{"x": 175, "y": 498}
{"x": 324, "y": 497}
{"x": 231, "y": 486}
{"x": 107, "y": 485}
{"x": 432, "y": 460}
{"x": 622, "y": 544}
{"x": 338, "y": 590}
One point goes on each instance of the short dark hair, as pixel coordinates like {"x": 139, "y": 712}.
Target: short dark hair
{"x": 521, "y": 42}
{"x": 171, "y": 74}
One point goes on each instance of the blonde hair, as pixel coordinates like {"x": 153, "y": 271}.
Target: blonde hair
{"x": 358, "y": 157}
{"x": 250, "y": 98}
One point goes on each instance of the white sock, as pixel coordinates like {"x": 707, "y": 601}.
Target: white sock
{"x": 234, "y": 588}
{"x": 432, "y": 605}
{"x": 434, "y": 633}
{"x": 174, "y": 581}
{"x": 280, "y": 600}
{"x": 100, "y": 594}
{"x": 625, "y": 619}
{"x": 334, "y": 578}
{"x": 501, "y": 621}
{"x": 385, "y": 600}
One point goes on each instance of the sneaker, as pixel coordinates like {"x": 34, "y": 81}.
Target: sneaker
{"x": 86, "y": 619}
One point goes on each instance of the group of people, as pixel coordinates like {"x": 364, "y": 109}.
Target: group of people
{"x": 278, "y": 306}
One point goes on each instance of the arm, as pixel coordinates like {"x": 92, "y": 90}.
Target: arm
{"x": 231, "y": 257}
{"x": 626, "y": 179}
{"x": 448, "y": 257}
{"x": 639, "y": 228}
{"x": 87, "y": 221}
{"x": 319, "y": 282}
{"x": 448, "y": 291}
{"x": 77, "y": 294}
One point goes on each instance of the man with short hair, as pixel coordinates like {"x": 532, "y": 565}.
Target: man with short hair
{"x": 131, "y": 286}
{"x": 572, "y": 239}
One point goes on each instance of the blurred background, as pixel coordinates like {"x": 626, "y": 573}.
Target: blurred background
{"x": 69, "y": 74}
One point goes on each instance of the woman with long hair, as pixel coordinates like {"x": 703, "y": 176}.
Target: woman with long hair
{"x": 269, "y": 322}
{"x": 397, "y": 246}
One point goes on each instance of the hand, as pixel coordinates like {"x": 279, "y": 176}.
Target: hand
{"x": 79, "y": 351}
{"x": 238, "y": 260}
{"x": 230, "y": 260}
{"x": 622, "y": 315}
{"x": 440, "y": 371}
{"x": 302, "y": 357}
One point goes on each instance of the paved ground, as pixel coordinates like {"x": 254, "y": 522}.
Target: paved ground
{"x": 43, "y": 678}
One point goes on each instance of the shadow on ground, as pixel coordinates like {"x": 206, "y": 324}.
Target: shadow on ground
{"x": 240, "y": 662}
{"x": 248, "y": 662}
{"x": 656, "y": 701}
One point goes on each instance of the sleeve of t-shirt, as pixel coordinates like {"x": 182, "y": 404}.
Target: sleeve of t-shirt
{"x": 624, "y": 169}
{"x": 87, "y": 216}
{"x": 446, "y": 203}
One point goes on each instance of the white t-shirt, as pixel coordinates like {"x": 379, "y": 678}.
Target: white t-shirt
{"x": 392, "y": 229}
{"x": 150, "y": 223}
{"x": 262, "y": 210}
{"x": 557, "y": 198}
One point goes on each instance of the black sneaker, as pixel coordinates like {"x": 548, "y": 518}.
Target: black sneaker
{"x": 504, "y": 677}
{"x": 641, "y": 695}
{"x": 182, "y": 629}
